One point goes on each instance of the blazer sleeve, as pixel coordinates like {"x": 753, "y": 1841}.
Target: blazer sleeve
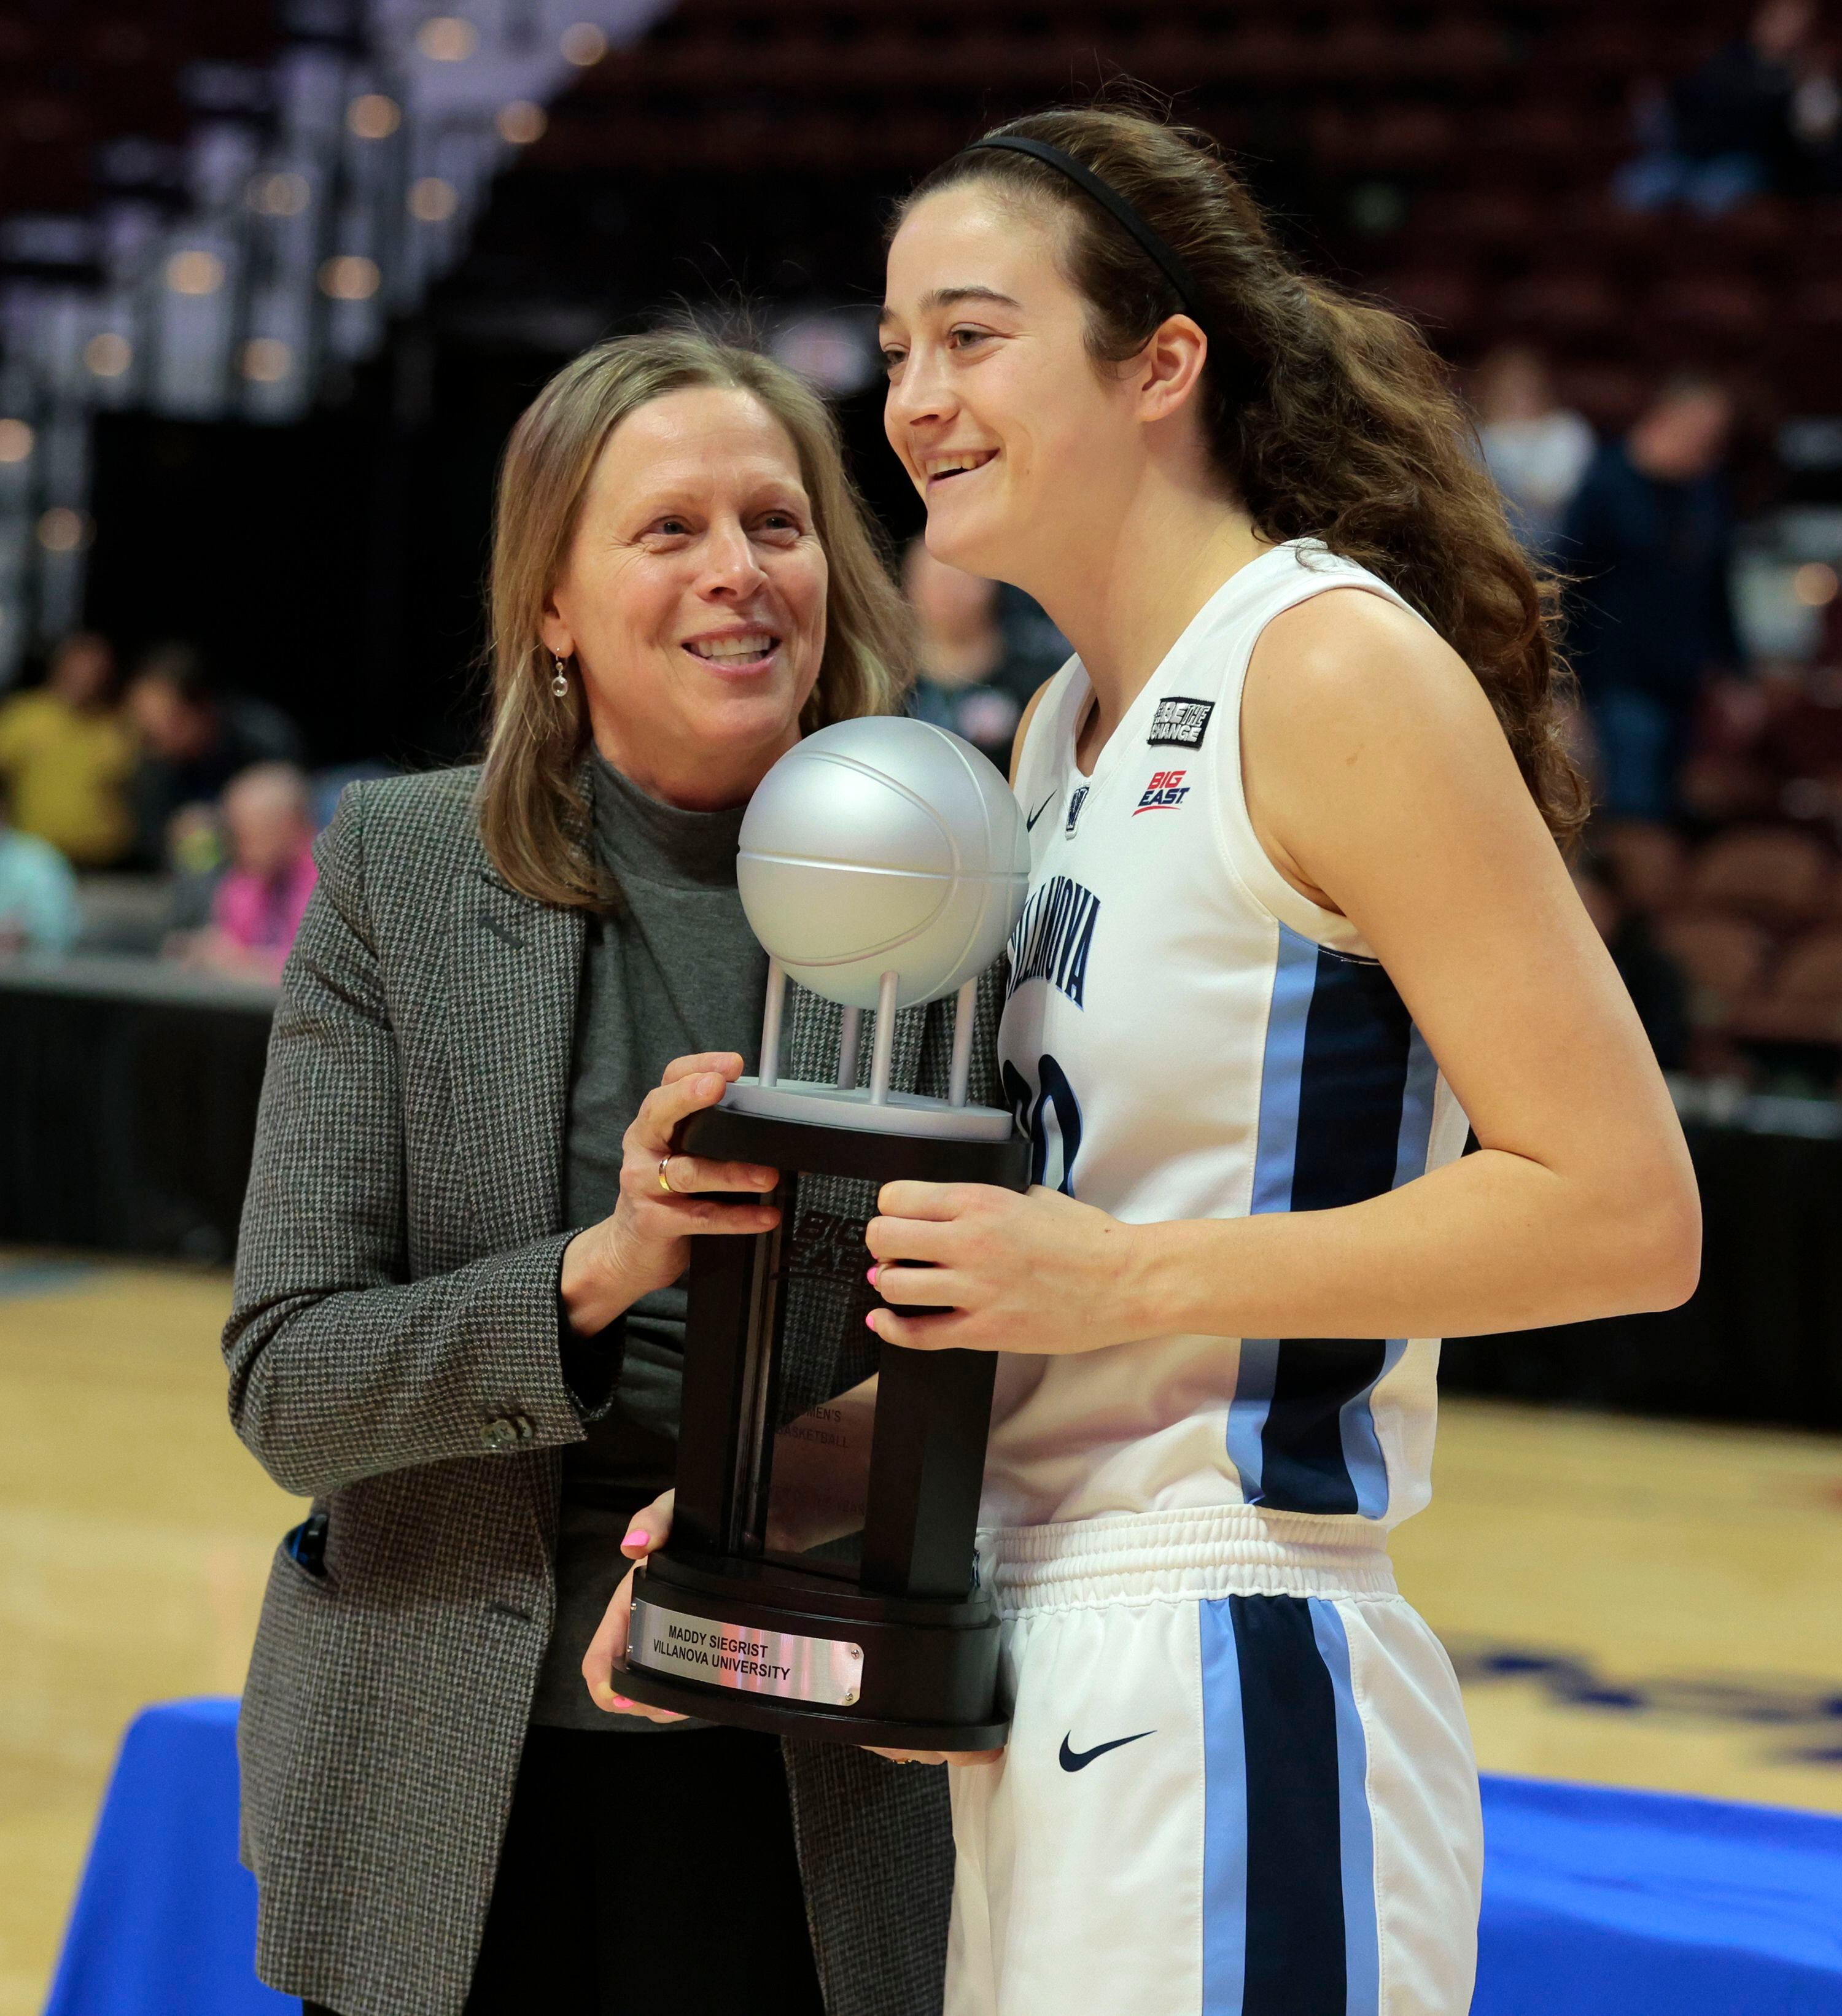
{"x": 341, "y": 1367}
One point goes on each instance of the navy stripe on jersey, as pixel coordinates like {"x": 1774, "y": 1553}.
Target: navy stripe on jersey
{"x": 1346, "y": 1091}
{"x": 1352, "y": 1085}
{"x": 1305, "y": 1467}
{"x": 1288, "y": 1855}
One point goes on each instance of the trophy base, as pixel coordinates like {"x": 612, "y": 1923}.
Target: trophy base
{"x": 762, "y": 1646}
{"x": 902, "y": 1113}
{"x": 873, "y": 1145}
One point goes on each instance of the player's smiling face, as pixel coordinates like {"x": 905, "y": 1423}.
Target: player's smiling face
{"x": 693, "y": 595}
{"x": 995, "y": 406}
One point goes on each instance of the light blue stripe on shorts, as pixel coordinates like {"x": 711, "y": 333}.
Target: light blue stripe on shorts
{"x": 1356, "y": 1831}
{"x": 1225, "y": 1814}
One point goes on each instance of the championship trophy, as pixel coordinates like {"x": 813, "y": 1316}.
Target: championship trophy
{"x": 819, "y": 1578}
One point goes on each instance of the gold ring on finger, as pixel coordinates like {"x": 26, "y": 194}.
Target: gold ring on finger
{"x": 665, "y": 1180}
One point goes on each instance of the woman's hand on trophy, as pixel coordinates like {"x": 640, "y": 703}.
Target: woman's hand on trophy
{"x": 645, "y": 1242}
{"x": 1039, "y": 1273}
{"x": 646, "y": 1531}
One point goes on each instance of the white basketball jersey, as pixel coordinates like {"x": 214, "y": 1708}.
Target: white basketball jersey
{"x": 1186, "y": 1036}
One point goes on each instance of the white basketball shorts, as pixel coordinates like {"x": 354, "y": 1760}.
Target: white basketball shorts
{"x": 1238, "y": 1781}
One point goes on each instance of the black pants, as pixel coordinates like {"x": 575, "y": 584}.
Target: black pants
{"x": 646, "y": 1874}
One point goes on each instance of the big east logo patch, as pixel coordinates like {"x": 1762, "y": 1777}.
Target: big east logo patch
{"x": 1164, "y": 793}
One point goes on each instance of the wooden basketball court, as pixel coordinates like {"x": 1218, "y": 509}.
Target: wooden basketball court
{"x": 1631, "y": 1602}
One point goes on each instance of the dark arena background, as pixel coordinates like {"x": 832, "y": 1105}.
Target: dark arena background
{"x": 277, "y": 276}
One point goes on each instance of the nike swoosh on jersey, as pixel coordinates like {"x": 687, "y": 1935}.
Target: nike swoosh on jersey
{"x": 1078, "y": 1760}
{"x": 1030, "y": 825}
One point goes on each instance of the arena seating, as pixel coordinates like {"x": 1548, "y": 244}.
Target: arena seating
{"x": 75, "y": 77}
{"x": 1457, "y": 157}
{"x": 1746, "y": 893}
{"x": 1753, "y": 916}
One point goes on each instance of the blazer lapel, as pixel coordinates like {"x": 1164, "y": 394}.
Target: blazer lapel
{"x": 516, "y": 966}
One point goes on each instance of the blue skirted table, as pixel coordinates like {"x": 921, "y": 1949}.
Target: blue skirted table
{"x": 1603, "y": 1902}
{"x": 165, "y": 1923}
{"x": 1597, "y": 1902}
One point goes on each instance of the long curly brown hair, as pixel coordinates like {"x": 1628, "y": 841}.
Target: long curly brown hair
{"x": 1329, "y": 417}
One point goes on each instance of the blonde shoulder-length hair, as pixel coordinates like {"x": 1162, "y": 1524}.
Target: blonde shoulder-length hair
{"x": 531, "y": 817}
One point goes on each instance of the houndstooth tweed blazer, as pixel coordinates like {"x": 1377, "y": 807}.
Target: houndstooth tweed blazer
{"x": 393, "y": 1354}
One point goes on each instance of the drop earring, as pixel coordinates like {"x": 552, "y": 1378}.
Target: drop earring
{"x": 560, "y": 684}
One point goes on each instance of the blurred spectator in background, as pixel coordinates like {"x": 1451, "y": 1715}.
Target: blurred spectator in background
{"x": 66, "y": 756}
{"x": 194, "y": 739}
{"x": 259, "y": 902}
{"x": 38, "y": 907}
{"x": 1760, "y": 116}
{"x": 971, "y": 680}
{"x": 1536, "y": 448}
{"x": 1648, "y": 540}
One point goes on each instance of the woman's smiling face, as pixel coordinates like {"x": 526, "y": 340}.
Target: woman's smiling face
{"x": 693, "y": 595}
{"x": 995, "y": 406}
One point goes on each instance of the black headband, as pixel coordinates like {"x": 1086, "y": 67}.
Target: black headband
{"x": 1117, "y": 207}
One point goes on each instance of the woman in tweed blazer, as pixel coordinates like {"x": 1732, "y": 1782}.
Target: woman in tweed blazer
{"x": 405, "y": 1346}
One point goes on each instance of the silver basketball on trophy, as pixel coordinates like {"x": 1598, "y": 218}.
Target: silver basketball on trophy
{"x": 883, "y": 845}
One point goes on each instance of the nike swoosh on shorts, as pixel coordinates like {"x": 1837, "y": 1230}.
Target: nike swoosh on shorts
{"x": 1078, "y": 1760}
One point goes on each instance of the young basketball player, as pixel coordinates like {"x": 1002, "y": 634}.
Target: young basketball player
{"x": 1297, "y": 915}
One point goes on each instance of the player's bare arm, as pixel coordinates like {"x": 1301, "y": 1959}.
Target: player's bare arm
{"x": 1381, "y": 786}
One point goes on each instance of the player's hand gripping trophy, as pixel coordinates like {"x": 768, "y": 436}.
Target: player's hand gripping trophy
{"x": 883, "y": 864}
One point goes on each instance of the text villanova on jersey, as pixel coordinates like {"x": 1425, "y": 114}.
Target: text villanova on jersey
{"x": 1054, "y": 937}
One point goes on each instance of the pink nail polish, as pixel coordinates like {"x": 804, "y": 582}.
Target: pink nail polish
{"x": 620, "y": 1700}
{"x": 869, "y": 1323}
{"x": 638, "y": 1538}
{"x": 871, "y": 1277}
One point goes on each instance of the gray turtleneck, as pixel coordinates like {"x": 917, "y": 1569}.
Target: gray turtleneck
{"x": 675, "y": 971}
